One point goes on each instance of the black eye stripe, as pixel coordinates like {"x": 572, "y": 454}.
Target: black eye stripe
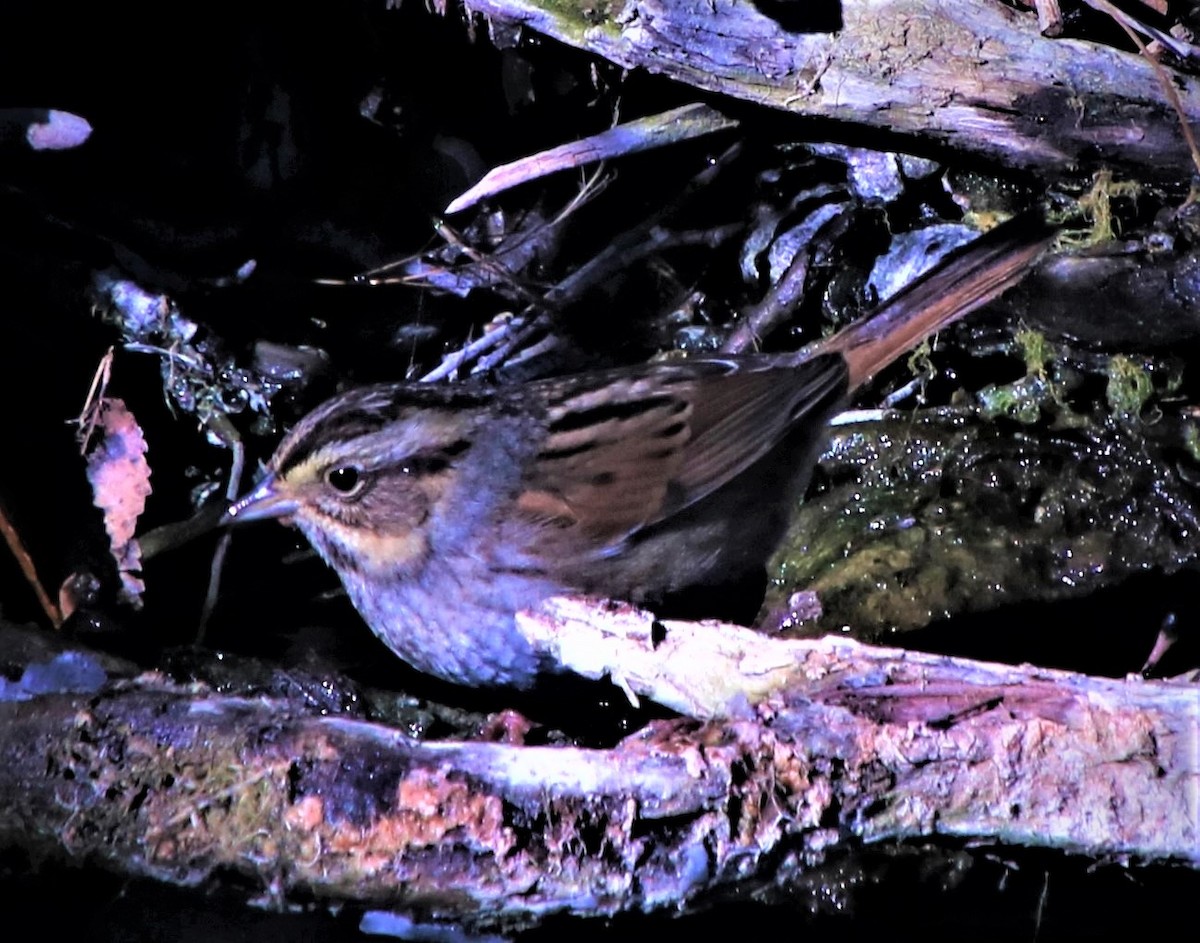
{"x": 369, "y": 410}
{"x": 455, "y": 448}
{"x": 421, "y": 465}
{"x": 430, "y": 463}
{"x": 351, "y": 480}
{"x": 344, "y": 429}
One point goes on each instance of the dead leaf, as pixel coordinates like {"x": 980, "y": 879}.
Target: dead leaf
{"x": 120, "y": 479}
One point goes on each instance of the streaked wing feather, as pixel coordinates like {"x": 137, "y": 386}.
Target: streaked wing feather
{"x": 646, "y": 447}
{"x": 610, "y": 455}
{"x": 743, "y": 416}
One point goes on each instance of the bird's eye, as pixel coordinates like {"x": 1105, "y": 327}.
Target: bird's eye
{"x": 345, "y": 479}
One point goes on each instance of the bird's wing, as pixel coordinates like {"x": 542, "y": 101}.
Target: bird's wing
{"x": 624, "y": 451}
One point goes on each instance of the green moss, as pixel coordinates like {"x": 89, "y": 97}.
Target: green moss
{"x": 1097, "y": 207}
{"x": 947, "y": 512}
{"x": 1021, "y": 401}
{"x": 1039, "y": 392}
{"x": 1191, "y": 441}
{"x": 574, "y": 17}
{"x": 1036, "y": 351}
{"x": 1129, "y": 387}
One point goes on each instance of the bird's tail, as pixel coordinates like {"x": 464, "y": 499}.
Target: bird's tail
{"x": 965, "y": 280}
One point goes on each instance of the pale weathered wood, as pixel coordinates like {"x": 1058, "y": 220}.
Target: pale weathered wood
{"x": 976, "y": 76}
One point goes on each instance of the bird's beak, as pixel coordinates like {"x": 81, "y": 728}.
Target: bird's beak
{"x": 264, "y": 502}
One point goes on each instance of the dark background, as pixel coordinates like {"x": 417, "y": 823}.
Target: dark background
{"x": 225, "y": 132}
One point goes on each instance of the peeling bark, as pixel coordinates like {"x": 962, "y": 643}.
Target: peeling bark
{"x": 976, "y": 76}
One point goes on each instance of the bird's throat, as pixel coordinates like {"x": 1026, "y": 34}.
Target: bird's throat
{"x": 372, "y": 554}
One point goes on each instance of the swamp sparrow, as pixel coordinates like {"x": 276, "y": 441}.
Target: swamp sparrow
{"x": 447, "y": 509}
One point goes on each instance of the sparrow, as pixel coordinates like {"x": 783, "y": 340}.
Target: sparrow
{"x": 446, "y": 509}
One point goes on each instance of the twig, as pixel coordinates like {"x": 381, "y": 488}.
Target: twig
{"x": 670, "y": 127}
{"x": 13, "y": 539}
{"x": 469, "y": 351}
{"x": 523, "y": 328}
{"x": 169, "y": 536}
{"x": 90, "y": 414}
{"x": 487, "y": 261}
{"x": 760, "y": 319}
{"x": 1160, "y": 71}
{"x": 237, "y": 466}
{"x": 629, "y": 247}
{"x": 1184, "y": 50}
{"x": 648, "y": 236}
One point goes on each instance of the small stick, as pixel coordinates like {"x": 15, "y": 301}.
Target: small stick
{"x": 13, "y": 539}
